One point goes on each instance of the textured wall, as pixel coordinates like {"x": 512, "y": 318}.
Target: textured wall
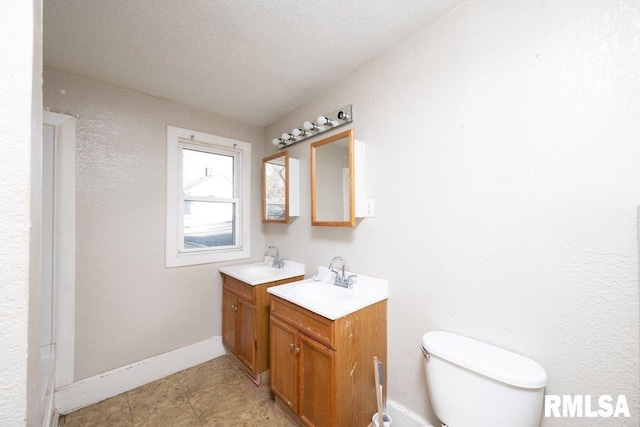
{"x": 503, "y": 156}
{"x": 20, "y": 121}
{"x": 128, "y": 306}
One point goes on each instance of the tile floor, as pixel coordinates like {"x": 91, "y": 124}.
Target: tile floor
{"x": 215, "y": 393}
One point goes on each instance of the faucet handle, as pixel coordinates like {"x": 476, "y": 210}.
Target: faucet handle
{"x": 351, "y": 279}
{"x": 278, "y": 263}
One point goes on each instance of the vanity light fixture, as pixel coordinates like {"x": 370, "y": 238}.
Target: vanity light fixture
{"x": 310, "y": 126}
{"x": 288, "y": 137}
{"x": 310, "y": 129}
{"x": 300, "y": 132}
{"x": 343, "y": 116}
{"x": 322, "y": 120}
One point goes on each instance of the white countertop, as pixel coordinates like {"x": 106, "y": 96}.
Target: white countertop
{"x": 262, "y": 272}
{"x": 322, "y": 297}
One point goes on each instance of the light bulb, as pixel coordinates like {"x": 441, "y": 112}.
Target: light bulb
{"x": 322, "y": 120}
{"x": 276, "y": 141}
{"x": 310, "y": 126}
{"x": 286, "y": 136}
{"x": 298, "y": 132}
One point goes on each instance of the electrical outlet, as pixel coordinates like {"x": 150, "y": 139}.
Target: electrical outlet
{"x": 370, "y": 209}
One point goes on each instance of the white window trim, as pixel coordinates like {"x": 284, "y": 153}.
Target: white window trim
{"x": 174, "y": 257}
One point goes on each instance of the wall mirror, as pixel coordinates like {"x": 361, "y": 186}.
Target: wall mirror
{"x": 280, "y": 188}
{"x": 335, "y": 183}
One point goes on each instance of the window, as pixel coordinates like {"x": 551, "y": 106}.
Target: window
{"x": 208, "y": 193}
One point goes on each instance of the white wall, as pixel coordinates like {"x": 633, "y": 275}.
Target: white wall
{"x": 128, "y": 306}
{"x": 20, "y": 142}
{"x": 503, "y": 156}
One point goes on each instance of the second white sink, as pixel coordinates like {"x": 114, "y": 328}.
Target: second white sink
{"x": 325, "y": 293}
{"x": 322, "y": 297}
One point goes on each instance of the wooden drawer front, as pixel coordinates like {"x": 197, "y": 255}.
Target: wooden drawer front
{"x": 314, "y": 325}
{"x": 240, "y": 288}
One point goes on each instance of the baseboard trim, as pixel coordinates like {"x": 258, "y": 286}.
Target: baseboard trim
{"x": 401, "y": 416}
{"x": 108, "y": 384}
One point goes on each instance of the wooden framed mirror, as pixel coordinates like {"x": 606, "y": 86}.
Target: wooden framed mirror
{"x": 280, "y": 188}
{"x": 333, "y": 181}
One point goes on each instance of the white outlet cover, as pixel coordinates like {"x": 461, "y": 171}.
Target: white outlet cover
{"x": 370, "y": 208}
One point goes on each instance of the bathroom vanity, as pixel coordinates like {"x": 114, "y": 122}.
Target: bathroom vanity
{"x": 245, "y": 313}
{"x": 322, "y": 364}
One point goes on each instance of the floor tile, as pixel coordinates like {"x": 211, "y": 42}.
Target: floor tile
{"x": 111, "y": 412}
{"x": 161, "y": 403}
{"x": 222, "y": 395}
{"x": 262, "y": 414}
{"x": 215, "y": 393}
{"x": 220, "y": 372}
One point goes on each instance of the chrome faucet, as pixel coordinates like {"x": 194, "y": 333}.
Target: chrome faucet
{"x": 341, "y": 280}
{"x": 277, "y": 261}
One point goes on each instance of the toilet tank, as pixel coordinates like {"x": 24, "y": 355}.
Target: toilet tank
{"x": 472, "y": 383}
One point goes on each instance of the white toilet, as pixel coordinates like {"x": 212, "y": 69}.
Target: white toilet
{"x": 474, "y": 384}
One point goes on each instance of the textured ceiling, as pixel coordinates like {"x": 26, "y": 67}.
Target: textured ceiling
{"x": 247, "y": 59}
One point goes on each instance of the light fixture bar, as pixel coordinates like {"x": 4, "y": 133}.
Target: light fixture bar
{"x": 312, "y": 128}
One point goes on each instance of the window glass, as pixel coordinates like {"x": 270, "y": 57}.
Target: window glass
{"x": 207, "y": 174}
{"x": 208, "y": 224}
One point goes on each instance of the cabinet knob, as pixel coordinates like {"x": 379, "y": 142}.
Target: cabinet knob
{"x": 297, "y": 350}
{"x": 291, "y": 345}
{"x": 235, "y": 308}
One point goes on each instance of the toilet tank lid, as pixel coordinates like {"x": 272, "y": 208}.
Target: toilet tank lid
{"x": 486, "y": 359}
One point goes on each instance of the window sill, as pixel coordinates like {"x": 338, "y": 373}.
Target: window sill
{"x": 184, "y": 259}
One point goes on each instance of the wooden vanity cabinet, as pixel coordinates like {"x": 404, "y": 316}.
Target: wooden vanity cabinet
{"x": 229, "y": 322}
{"x": 284, "y": 371}
{"x": 245, "y": 323}
{"x": 321, "y": 369}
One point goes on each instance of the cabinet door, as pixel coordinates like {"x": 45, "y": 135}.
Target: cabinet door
{"x": 284, "y": 363}
{"x": 317, "y": 405}
{"x": 247, "y": 339}
{"x": 229, "y": 320}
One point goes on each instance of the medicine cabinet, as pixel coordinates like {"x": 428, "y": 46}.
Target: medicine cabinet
{"x": 280, "y": 188}
{"x": 337, "y": 180}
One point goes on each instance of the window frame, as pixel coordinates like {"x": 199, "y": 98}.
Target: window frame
{"x": 177, "y": 140}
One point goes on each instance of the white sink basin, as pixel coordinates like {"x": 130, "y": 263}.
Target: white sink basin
{"x": 322, "y": 297}
{"x": 321, "y": 292}
{"x": 260, "y": 272}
